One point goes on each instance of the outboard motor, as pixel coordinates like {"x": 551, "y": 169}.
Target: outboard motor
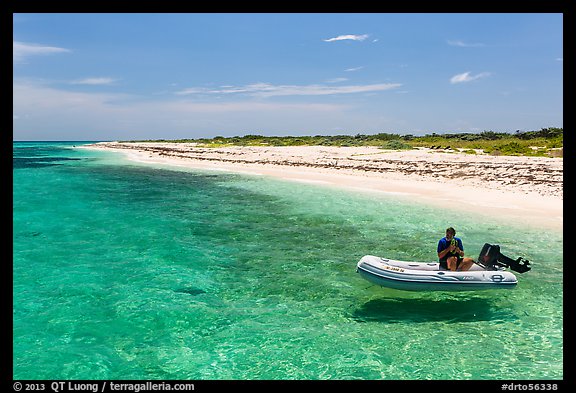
{"x": 490, "y": 258}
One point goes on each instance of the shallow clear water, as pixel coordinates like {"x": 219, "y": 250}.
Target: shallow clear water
{"x": 126, "y": 271}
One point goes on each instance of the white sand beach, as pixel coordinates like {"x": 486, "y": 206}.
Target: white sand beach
{"x": 525, "y": 189}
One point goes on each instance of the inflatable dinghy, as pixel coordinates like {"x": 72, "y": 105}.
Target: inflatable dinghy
{"x": 489, "y": 272}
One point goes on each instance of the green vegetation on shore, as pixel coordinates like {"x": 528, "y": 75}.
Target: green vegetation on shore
{"x": 546, "y": 142}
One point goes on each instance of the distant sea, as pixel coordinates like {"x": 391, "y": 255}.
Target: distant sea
{"x": 124, "y": 270}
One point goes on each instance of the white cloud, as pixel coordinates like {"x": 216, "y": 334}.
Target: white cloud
{"x": 34, "y": 97}
{"x": 93, "y": 81}
{"x": 353, "y": 69}
{"x": 41, "y": 111}
{"x": 464, "y": 44}
{"x": 353, "y": 37}
{"x": 466, "y": 77}
{"x": 336, "y": 80}
{"x": 268, "y": 90}
{"x": 21, "y": 50}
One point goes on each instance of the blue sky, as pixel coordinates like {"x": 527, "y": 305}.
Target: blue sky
{"x": 167, "y": 76}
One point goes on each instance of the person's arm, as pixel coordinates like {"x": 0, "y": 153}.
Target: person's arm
{"x": 442, "y": 252}
{"x": 460, "y": 248}
{"x": 459, "y": 251}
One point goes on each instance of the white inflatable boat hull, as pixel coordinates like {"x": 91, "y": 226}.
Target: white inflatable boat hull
{"x": 422, "y": 276}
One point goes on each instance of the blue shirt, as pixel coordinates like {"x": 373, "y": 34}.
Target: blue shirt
{"x": 444, "y": 244}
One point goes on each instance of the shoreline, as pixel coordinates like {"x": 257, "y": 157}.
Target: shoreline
{"x": 526, "y": 189}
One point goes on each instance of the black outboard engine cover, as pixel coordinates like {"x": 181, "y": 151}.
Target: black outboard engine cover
{"x": 490, "y": 258}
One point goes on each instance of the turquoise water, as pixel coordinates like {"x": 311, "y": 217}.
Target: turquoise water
{"x": 126, "y": 271}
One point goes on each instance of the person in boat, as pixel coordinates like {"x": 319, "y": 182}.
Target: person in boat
{"x": 451, "y": 252}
